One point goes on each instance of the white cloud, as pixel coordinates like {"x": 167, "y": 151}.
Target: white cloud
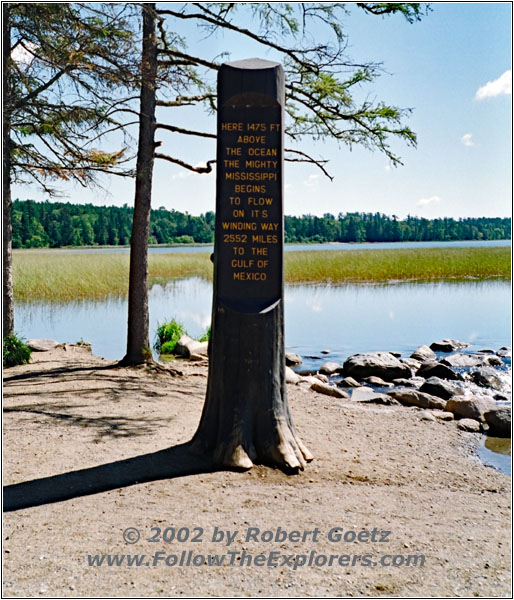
{"x": 311, "y": 181}
{"x": 388, "y": 168}
{"x": 502, "y": 85}
{"x": 466, "y": 139}
{"x": 427, "y": 201}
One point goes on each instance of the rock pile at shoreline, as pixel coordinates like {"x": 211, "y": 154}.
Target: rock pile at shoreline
{"x": 442, "y": 379}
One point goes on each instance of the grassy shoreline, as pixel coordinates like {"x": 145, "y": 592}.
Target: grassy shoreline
{"x": 63, "y": 277}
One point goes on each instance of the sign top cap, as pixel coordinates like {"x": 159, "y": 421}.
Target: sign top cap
{"x": 252, "y": 63}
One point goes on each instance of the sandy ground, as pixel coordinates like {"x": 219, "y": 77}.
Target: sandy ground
{"x": 377, "y": 469}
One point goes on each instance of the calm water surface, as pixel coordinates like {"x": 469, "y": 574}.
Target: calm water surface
{"x": 344, "y": 319}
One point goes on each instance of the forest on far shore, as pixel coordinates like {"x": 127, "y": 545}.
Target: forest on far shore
{"x": 58, "y": 224}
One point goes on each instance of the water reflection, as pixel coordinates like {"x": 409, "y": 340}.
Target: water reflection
{"x": 345, "y": 319}
{"x": 497, "y": 453}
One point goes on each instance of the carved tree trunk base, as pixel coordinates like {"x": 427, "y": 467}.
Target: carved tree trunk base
{"x": 246, "y": 418}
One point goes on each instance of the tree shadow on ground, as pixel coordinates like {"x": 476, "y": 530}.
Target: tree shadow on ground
{"x": 106, "y": 426}
{"x": 177, "y": 461}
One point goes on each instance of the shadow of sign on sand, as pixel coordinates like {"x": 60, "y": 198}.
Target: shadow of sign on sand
{"x": 177, "y": 461}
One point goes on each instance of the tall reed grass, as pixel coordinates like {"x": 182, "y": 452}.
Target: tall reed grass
{"x": 403, "y": 264}
{"x": 61, "y": 276}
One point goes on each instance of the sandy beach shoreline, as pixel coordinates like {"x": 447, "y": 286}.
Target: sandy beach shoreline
{"x": 375, "y": 468}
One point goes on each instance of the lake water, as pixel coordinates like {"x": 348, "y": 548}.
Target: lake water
{"x": 344, "y": 319}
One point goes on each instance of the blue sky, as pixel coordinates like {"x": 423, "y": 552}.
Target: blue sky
{"x": 453, "y": 69}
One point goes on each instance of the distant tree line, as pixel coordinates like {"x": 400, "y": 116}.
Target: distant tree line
{"x": 57, "y": 224}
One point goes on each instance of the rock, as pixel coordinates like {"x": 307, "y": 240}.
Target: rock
{"x": 328, "y": 390}
{"x": 325, "y": 352}
{"x": 493, "y": 361}
{"x": 396, "y": 354}
{"x": 440, "y": 388}
{"x": 378, "y": 364}
{"x": 486, "y": 351}
{"x": 41, "y": 344}
{"x": 447, "y": 345}
{"x": 469, "y": 425}
{"x": 292, "y": 377}
{"x": 504, "y": 352}
{"x": 308, "y": 380}
{"x": 412, "y": 363}
{"x": 329, "y": 368}
{"x": 402, "y": 382}
{"x": 442, "y": 415}
{"x": 487, "y": 377}
{"x": 293, "y": 359}
{"x": 192, "y": 349}
{"x": 461, "y": 360}
{"x": 499, "y": 420}
{"x": 470, "y": 407}
{"x": 423, "y": 353}
{"x": 321, "y": 377}
{"x": 502, "y": 397}
{"x": 431, "y": 368}
{"x": 412, "y": 397}
{"x": 426, "y": 415}
{"x": 364, "y": 394}
{"x": 349, "y": 382}
{"x": 377, "y": 382}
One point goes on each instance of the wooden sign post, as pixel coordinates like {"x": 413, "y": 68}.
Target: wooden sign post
{"x": 246, "y": 417}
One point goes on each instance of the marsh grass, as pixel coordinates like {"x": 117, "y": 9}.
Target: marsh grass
{"x": 374, "y": 266}
{"x": 61, "y": 277}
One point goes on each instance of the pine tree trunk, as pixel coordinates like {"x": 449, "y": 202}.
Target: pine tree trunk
{"x": 138, "y": 343}
{"x": 246, "y": 417}
{"x": 8, "y": 298}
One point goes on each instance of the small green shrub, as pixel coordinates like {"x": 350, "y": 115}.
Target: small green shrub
{"x": 206, "y": 336}
{"x": 168, "y": 334}
{"x": 15, "y": 352}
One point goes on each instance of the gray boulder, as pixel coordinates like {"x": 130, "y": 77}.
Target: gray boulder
{"x": 377, "y": 382}
{"x": 423, "y": 353}
{"x": 448, "y": 345}
{"x": 470, "y": 407}
{"x": 328, "y": 390}
{"x": 504, "y": 352}
{"x": 412, "y": 363}
{"x": 293, "y": 359}
{"x": 499, "y": 420}
{"x": 487, "y": 377}
{"x": 443, "y": 415}
{"x": 431, "y": 368}
{"x": 493, "y": 361}
{"x": 292, "y": 377}
{"x": 192, "y": 349}
{"x": 426, "y": 415}
{"x": 329, "y": 368}
{"x": 41, "y": 344}
{"x": 440, "y": 388}
{"x": 402, "y": 382}
{"x": 412, "y": 397}
{"x": 349, "y": 382}
{"x": 462, "y": 360}
{"x": 368, "y": 395}
{"x": 469, "y": 425}
{"x": 378, "y": 364}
